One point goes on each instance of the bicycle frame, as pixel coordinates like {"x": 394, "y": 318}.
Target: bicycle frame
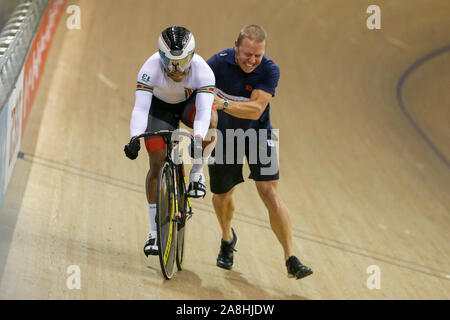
{"x": 167, "y": 137}
{"x": 178, "y": 187}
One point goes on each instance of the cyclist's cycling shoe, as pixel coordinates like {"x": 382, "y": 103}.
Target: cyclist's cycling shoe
{"x": 225, "y": 258}
{"x": 197, "y": 188}
{"x": 296, "y": 269}
{"x": 151, "y": 245}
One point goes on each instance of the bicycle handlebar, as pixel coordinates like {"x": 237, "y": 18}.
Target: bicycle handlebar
{"x": 167, "y": 135}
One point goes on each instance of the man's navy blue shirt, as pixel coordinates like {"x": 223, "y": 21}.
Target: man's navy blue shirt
{"x": 236, "y": 85}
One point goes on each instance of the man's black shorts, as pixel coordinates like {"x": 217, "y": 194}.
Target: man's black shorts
{"x": 261, "y": 156}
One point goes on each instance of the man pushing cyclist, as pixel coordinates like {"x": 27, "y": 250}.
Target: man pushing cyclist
{"x": 173, "y": 84}
{"x": 246, "y": 81}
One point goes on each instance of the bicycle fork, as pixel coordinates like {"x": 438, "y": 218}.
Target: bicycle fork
{"x": 179, "y": 211}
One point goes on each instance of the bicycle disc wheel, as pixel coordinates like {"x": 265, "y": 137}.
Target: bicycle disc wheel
{"x": 166, "y": 227}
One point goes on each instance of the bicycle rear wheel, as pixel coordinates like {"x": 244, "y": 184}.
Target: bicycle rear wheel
{"x": 165, "y": 215}
{"x": 183, "y": 206}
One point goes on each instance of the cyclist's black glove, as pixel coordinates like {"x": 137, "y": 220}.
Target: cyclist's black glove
{"x": 195, "y": 149}
{"x": 132, "y": 148}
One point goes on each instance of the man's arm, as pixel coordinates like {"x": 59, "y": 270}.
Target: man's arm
{"x": 252, "y": 109}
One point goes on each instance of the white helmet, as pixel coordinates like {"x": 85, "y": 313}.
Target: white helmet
{"x": 176, "y": 46}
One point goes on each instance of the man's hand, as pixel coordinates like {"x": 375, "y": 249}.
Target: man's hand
{"x": 132, "y": 148}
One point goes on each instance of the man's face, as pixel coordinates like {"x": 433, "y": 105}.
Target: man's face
{"x": 249, "y": 54}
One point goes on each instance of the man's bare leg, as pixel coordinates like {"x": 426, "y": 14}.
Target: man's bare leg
{"x": 280, "y": 221}
{"x": 224, "y": 207}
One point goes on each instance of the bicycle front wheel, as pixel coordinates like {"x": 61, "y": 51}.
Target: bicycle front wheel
{"x": 165, "y": 216}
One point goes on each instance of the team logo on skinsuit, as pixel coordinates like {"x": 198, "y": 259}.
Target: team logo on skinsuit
{"x": 145, "y": 77}
{"x": 248, "y": 87}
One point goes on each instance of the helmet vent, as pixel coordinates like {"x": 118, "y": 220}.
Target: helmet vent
{"x": 176, "y": 38}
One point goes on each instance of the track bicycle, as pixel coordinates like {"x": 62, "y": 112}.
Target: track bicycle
{"x": 173, "y": 206}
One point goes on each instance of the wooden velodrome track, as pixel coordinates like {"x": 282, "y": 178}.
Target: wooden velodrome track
{"x": 364, "y": 150}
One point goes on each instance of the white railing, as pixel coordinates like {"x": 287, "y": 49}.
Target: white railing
{"x": 15, "y": 40}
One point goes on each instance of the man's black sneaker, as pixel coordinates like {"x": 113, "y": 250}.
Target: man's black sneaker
{"x": 296, "y": 269}
{"x": 225, "y": 258}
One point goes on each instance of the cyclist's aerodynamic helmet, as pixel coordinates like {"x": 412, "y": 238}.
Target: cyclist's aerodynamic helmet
{"x": 176, "y": 47}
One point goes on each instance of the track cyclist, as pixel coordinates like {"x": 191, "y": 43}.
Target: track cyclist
{"x": 174, "y": 84}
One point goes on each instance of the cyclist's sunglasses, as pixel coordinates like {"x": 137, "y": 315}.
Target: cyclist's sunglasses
{"x": 176, "y": 65}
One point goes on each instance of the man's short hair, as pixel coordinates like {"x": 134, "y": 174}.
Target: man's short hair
{"x": 252, "y": 32}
